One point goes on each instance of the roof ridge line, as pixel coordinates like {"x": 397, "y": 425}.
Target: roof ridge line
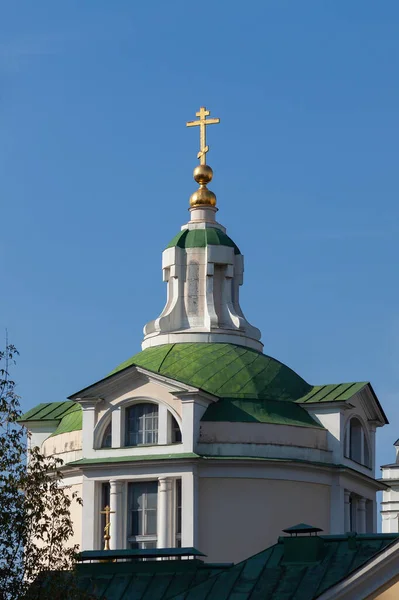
{"x": 166, "y": 355}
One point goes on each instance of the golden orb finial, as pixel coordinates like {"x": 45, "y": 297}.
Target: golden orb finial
{"x": 203, "y": 173}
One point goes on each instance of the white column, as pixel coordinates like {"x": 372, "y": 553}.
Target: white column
{"x": 164, "y": 527}
{"x": 361, "y": 515}
{"x": 347, "y": 511}
{"x": 116, "y": 516}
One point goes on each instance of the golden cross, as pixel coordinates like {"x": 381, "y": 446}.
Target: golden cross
{"x": 203, "y": 122}
{"x": 107, "y": 512}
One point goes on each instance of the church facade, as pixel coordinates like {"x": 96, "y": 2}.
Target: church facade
{"x": 202, "y": 440}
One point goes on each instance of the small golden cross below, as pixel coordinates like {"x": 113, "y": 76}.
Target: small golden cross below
{"x": 202, "y": 123}
{"x": 107, "y": 512}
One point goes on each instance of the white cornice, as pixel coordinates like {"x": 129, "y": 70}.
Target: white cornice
{"x": 108, "y": 385}
{"x": 327, "y": 406}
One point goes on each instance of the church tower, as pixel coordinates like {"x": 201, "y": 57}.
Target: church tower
{"x": 204, "y": 270}
{"x": 202, "y": 440}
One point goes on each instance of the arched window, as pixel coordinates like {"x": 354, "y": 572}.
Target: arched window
{"x": 356, "y": 444}
{"x": 107, "y": 437}
{"x": 141, "y": 424}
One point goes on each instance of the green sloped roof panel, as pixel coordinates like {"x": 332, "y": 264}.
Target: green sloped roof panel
{"x": 225, "y": 370}
{"x": 255, "y": 411}
{"x": 333, "y": 392}
{"x": 48, "y": 411}
{"x": 199, "y": 238}
{"x": 68, "y": 414}
{"x": 269, "y": 576}
{"x": 228, "y": 371}
{"x": 70, "y": 422}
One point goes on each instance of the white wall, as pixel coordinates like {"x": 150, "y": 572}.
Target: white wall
{"x": 240, "y": 517}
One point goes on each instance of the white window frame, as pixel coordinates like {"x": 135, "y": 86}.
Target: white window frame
{"x": 117, "y": 414}
{"x": 142, "y": 538}
{"x": 103, "y": 434}
{"x": 364, "y": 443}
{"x": 140, "y": 427}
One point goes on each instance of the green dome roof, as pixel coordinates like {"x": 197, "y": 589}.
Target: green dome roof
{"x": 199, "y": 238}
{"x": 225, "y": 370}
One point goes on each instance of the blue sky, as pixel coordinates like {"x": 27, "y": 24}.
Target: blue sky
{"x": 96, "y": 171}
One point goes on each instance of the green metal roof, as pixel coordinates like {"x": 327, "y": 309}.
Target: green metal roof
{"x": 232, "y": 371}
{"x": 199, "y": 238}
{"x": 138, "y": 580}
{"x": 49, "y": 411}
{"x": 276, "y": 574}
{"x": 252, "y": 386}
{"x": 334, "y": 392}
{"x": 70, "y": 422}
{"x": 68, "y": 414}
{"x": 259, "y": 411}
{"x": 296, "y": 568}
{"x": 225, "y": 370}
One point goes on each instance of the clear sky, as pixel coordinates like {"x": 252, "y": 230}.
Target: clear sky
{"x": 96, "y": 171}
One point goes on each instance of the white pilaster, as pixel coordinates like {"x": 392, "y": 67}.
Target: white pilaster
{"x": 164, "y": 526}
{"x": 390, "y": 522}
{"x": 372, "y": 448}
{"x": 337, "y": 520}
{"x": 117, "y": 427}
{"x": 361, "y": 515}
{"x": 193, "y": 407}
{"x": 162, "y": 424}
{"x": 116, "y": 516}
{"x": 90, "y": 514}
{"x": 347, "y": 511}
{"x": 189, "y": 535}
{"x": 89, "y": 420}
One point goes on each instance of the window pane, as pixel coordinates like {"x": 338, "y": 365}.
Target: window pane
{"x": 142, "y": 504}
{"x": 176, "y": 433}
{"x": 107, "y": 437}
{"x": 135, "y": 523}
{"x": 151, "y": 522}
{"x": 141, "y": 424}
{"x": 138, "y": 496}
{"x": 355, "y": 432}
{"x": 152, "y": 495}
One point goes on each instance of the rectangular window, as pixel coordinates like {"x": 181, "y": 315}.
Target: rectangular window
{"x": 178, "y": 512}
{"x": 105, "y": 501}
{"x": 142, "y": 515}
{"x": 141, "y": 424}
